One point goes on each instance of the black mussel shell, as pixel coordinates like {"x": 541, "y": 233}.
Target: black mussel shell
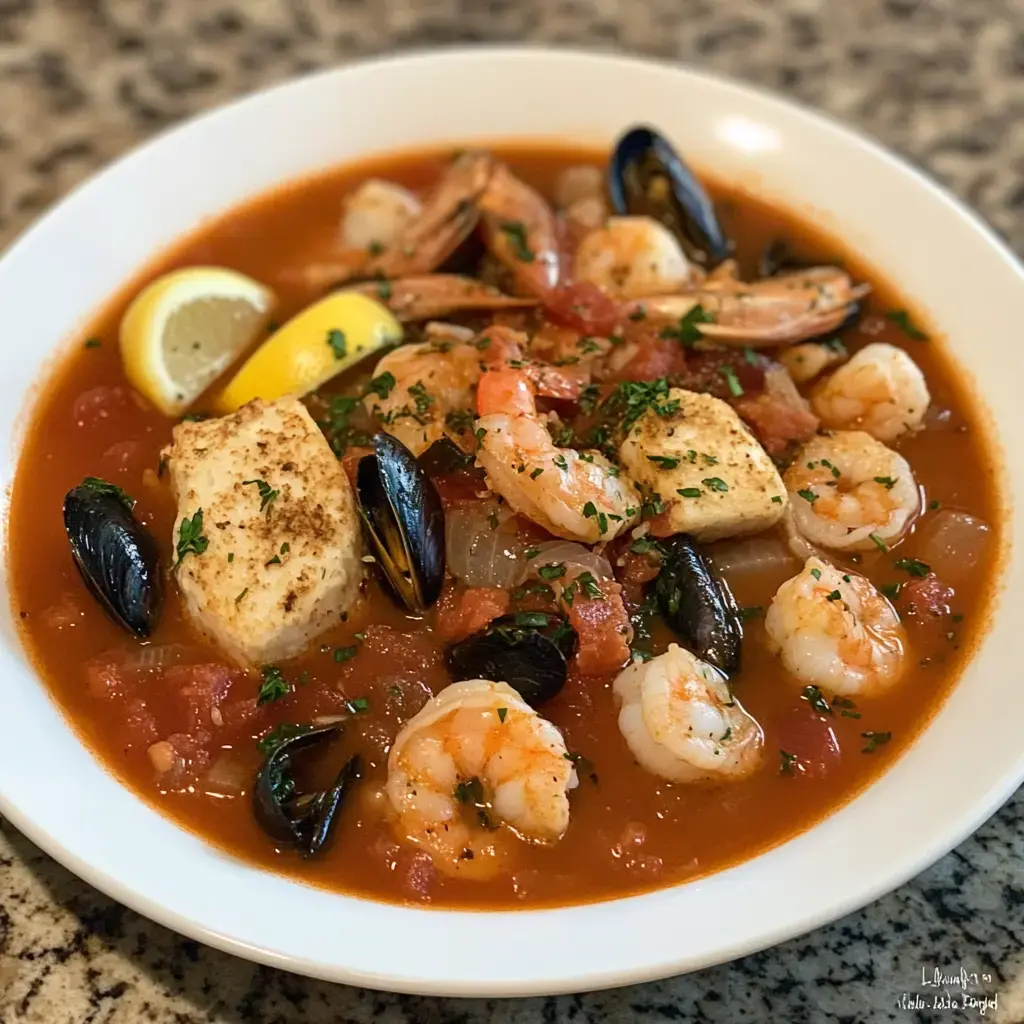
{"x": 529, "y": 650}
{"x": 778, "y": 258}
{"x": 647, "y": 177}
{"x": 698, "y": 605}
{"x": 404, "y": 521}
{"x": 444, "y": 457}
{"x": 116, "y": 555}
{"x": 303, "y": 820}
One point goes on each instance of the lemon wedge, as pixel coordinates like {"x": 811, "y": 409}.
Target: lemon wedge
{"x": 186, "y": 328}
{"x": 320, "y": 342}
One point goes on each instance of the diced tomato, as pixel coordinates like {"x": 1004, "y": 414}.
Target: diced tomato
{"x": 584, "y": 307}
{"x": 102, "y": 679}
{"x": 140, "y": 725}
{"x": 710, "y": 372}
{"x": 810, "y": 738}
{"x": 603, "y": 629}
{"x": 776, "y": 424}
{"x": 463, "y": 612}
{"x": 655, "y": 357}
{"x": 926, "y": 597}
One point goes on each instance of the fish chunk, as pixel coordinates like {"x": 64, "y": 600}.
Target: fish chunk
{"x": 283, "y": 546}
{"x": 713, "y": 478}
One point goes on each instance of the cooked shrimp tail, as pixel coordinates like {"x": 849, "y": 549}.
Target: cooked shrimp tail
{"x": 429, "y": 296}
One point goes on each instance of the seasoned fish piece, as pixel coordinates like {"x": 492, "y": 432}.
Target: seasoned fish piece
{"x": 267, "y": 535}
{"x": 713, "y": 478}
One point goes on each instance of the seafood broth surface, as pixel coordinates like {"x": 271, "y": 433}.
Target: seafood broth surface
{"x": 629, "y": 829}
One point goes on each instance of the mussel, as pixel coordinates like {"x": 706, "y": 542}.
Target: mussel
{"x": 698, "y": 605}
{"x": 404, "y": 521}
{"x": 115, "y": 553}
{"x": 303, "y": 820}
{"x": 528, "y": 650}
{"x": 647, "y": 177}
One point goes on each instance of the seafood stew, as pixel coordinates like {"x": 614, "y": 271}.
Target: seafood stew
{"x": 522, "y": 527}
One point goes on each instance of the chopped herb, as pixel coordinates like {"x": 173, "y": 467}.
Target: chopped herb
{"x": 338, "y": 344}
{"x": 888, "y": 482}
{"x": 735, "y": 387}
{"x": 492, "y": 518}
{"x": 589, "y": 585}
{"x": 816, "y": 573}
{"x": 835, "y": 345}
{"x": 688, "y": 333}
{"x": 515, "y": 232}
{"x": 638, "y": 314}
{"x": 532, "y": 552}
{"x": 808, "y": 496}
{"x": 531, "y": 620}
{"x": 285, "y": 548}
{"x": 502, "y": 712}
{"x": 777, "y": 499}
{"x": 845, "y": 706}
{"x": 241, "y": 595}
{"x": 381, "y": 385}
{"x": 459, "y": 420}
{"x": 375, "y": 248}
{"x": 788, "y": 763}
{"x": 100, "y": 486}
{"x": 645, "y": 545}
{"x": 191, "y": 540}
{"x": 913, "y": 566}
{"x": 689, "y": 492}
{"x": 357, "y": 705}
{"x": 564, "y": 437}
{"x": 384, "y": 290}
{"x": 194, "y": 417}
{"x": 274, "y": 685}
{"x": 271, "y": 740}
{"x": 554, "y": 571}
{"x": 267, "y": 493}
{"x": 93, "y": 343}
{"x": 423, "y": 400}
{"x": 875, "y": 740}
{"x": 901, "y": 318}
{"x": 750, "y": 356}
{"x": 589, "y": 397}
{"x": 590, "y": 512}
{"x": 834, "y": 596}
{"x": 231, "y": 557}
{"x": 715, "y": 483}
{"x": 754, "y": 611}
{"x": 814, "y": 696}
{"x": 664, "y": 461}
{"x": 345, "y": 653}
{"x": 891, "y": 590}
{"x": 878, "y": 542}
{"x": 480, "y": 433}
{"x": 276, "y": 560}
{"x": 934, "y": 504}
{"x": 536, "y": 473}
{"x": 559, "y": 461}
{"x": 469, "y": 791}
{"x": 725, "y": 735}
{"x": 583, "y": 765}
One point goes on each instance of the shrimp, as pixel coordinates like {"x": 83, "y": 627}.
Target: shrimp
{"x": 475, "y": 758}
{"x": 433, "y": 295}
{"x": 851, "y": 493}
{"x": 881, "y": 390}
{"x": 834, "y": 630}
{"x": 433, "y": 383}
{"x": 680, "y": 721}
{"x": 376, "y": 214}
{"x": 810, "y": 358}
{"x": 574, "y": 495}
{"x": 774, "y": 311}
{"x": 631, "y": 257}
{"x": 521, "y": 231}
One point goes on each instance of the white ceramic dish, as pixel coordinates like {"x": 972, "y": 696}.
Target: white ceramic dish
{"x": 967, "y": 762}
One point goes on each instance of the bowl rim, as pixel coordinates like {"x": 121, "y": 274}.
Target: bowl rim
{"x": 924, "y": 854}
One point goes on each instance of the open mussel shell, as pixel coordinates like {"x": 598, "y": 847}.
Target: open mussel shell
{"x": 647, "y": 177}
{"x": 530, "y": 651}
{"x": 698, "y": 605}
{"x": 303, "y": 820}
{"x": 404, "y": 521}
{"x": 115, "y": 553}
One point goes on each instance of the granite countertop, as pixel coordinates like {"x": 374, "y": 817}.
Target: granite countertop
{"x": 938, "y": 80}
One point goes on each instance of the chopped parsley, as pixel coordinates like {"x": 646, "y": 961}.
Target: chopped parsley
{"x": 753, "y": 611}
{"x": 687, "y": 332}
{"x": 273, "y": 687}
{"x": 536, "y": 473}
{"x": 777, "y": 499}
{"x": 875, "y": 740}
{"x": 342, "y": 654}
{"x": 590, "y": 512}
{"x": 715, "y": 483}
{"x": 888, "y": 482}
{"x": 891, "y": 590}
{"x": 583, "y": 765}
{"x": 384, "y": 290}
{"x": 502, "y": 712}
{"x": 515, "y": 232}
{"x": 381, "y": 385}
{"x": 901, "y": 318}
{"x": 459, "y": 420}
{"x": 267, "y": 493}
{"x": 834, "y": 596}
{"x": 238, "y": 599}
{"x": 531, "y": 620}
{"x": 735, "y": 387}
{"x": 845, "y": 706}
{"x": 554, "y": 571}
{"x": 421, "y": 397}
{"x": 100, "y": 486}
{"x": 589, "y": 585}
{"x": 808, "y": 496}
{"x": 559, "y": 461}
{"x": 92, "y": 343}
{"x": 357, "y": 705}
{"x": 469, "y": 791}
{"x": 337, "y": 342}
{"x": 788, "y": 763}
{"x": 274, "y": 738}
{"x": 934, "y": 504}
{"x": 878, "y": 542}
{"x": 664, "y": 461}
{"x": 646, "y": 545}
{"x": 814, "y": 697}
{"x": 191, "y": 540}
{"x": 816, "y": 573}
{"x": 689, "y": 492}
{"x": 913, "y": 566}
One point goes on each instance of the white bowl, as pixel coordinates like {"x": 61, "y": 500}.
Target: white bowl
{"x": 966, "y": 763}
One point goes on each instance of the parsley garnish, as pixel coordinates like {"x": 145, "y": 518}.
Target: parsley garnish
{"x": 875, "y": 740}
{"x": 789, "y": 763}
{"x": 715, "y": 483}
{"x": 502, "y": 712}
{"x": 913, "y": 566}
{"x": 93, "y": 343}
{"x": 735, "y": 387}
{"x": 357, "y": 705}
{"x": 100, "y": 486}
{"x": 845, "y": 706}
{"x": 888, "y": 482}
{"x": 878, "y": 542}
{"x": 689, "y": 492}
{"x": 339, "y": 346}
{"x": 190, "y": 537}
{"x": 345, "y": 653}
{"x": 270, "y": 741}
{"x": 808, "y": 496}
{"x": 267, "y": 493}
{"x": 515, "y": 232}
{"x": 663, "y": 461}
{"x": 814, "y": 696}
{"x": 554, "y": 571}
{"x": 901, "y": 318}
{"x": 688, "y": 333}
{"x": 274, "y": 685}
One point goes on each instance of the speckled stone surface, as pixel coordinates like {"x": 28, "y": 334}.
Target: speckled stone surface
{"x": 941, "y": 81}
